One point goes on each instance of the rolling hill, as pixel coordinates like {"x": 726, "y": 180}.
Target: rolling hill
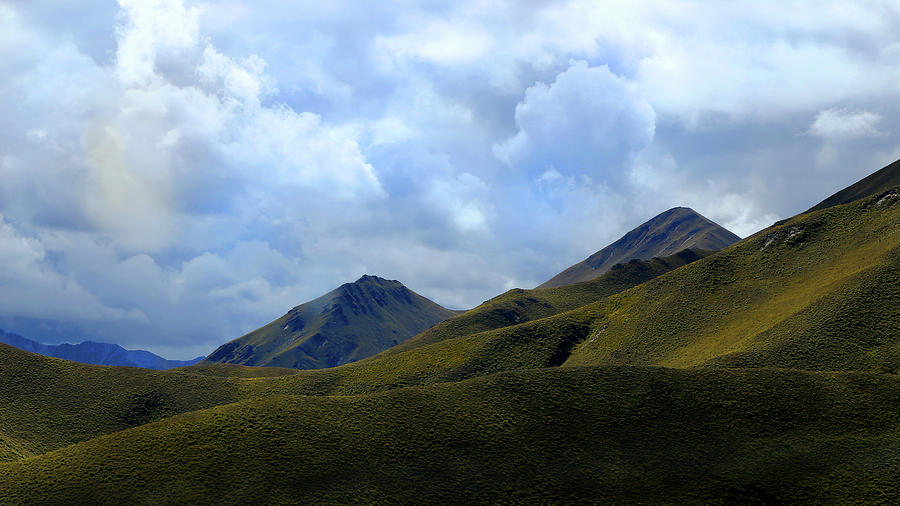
{"x": 594, "y": 434}
{"x": 354, "y": 321}
{"x": 90, "y": 352}
{"x": 663, "y": 235}
{"x": 49, "y": 403}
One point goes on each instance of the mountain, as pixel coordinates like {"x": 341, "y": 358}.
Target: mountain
{"x": 354, "y": 321}
{"x": 879, "y": 181}
{"x": 90, "y": 352}
{"x": 665, "y": 234}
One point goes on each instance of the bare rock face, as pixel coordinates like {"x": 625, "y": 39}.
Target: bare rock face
{"x": 354, "y": 321}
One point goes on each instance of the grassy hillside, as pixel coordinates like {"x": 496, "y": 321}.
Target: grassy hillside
{"x": 877, "y": 182}
{"x": 353, "y": 321}
{"x": 519, "y": 306}
{"x": 235, "y": 370}
{"x": 48, "y": 403}
{"x": 819, "y": 291}
{"x": 663, "y": 235}
{"x": 616, "y": 434}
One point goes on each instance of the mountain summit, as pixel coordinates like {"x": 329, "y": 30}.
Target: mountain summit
{"x": 354, "y": 321}
{"x": 663, "y": 235}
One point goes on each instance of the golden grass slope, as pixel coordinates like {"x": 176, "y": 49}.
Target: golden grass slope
{"x": 819, "y": 291}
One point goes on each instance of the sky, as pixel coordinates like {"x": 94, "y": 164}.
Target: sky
{"x": 176, "y": 173}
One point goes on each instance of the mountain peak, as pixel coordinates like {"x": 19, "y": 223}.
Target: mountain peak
{"x": 375, "y": 280}
{"x": 665, "y": 234}
{"x": 349, "y": 323}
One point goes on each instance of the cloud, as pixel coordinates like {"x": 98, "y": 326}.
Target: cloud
{"x": 587, "y": 121}
{"x": 843, "y": 123}
{"x": 31, "y": 287}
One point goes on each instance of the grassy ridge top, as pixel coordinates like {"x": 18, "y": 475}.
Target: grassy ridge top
{"x": 819, "y": 292}
{"x": 615, "y": 434}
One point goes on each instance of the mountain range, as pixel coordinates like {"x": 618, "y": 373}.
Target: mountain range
{"x": 663, "y": 235}
{"x": 90, "y": 352}
{"x": 762, "y": 373}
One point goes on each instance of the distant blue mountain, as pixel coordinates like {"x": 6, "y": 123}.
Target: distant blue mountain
{"x": 90, "y": 352}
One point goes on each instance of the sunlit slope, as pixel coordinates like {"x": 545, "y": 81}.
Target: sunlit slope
{"x": 518, "y": 305}
{"x": 47, "y": 403}
{"x": 616, "y": 434}
{"x": 820, "y": 291}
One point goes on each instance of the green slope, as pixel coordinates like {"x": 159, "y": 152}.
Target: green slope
{"x": 554, "y": 435}
{"x": 519, "y": 306}
{"x": 877, "y": 182}
{"x": 663, "y": 235}
{"x": 353, "y": 321}
{"x": 47, "y": 403}
{"x": 820, "y": 291}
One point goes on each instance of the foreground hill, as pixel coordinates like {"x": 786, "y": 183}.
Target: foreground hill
{"x": 90, "y": 352}
{"x": 354, "y": 321}
{"x": 598, "y": 434}
{"x": 663, "y": 235}
{"x": 48, "y": 403}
